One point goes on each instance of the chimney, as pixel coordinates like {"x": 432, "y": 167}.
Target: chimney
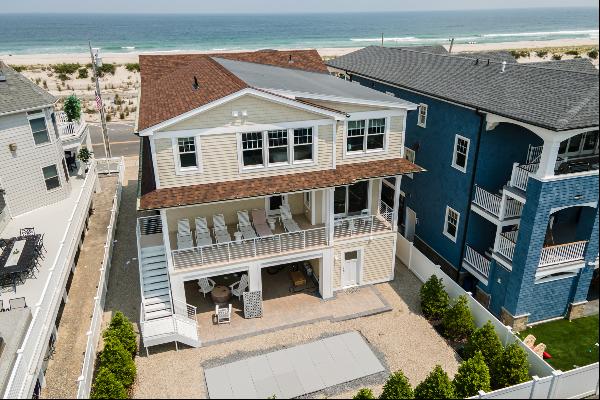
{"x": 195, "y": 85}
{"x": 503, "y": 66}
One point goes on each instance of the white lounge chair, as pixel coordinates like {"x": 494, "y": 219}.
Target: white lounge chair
{"x": 259, "y": 219}
{"x": 220, "y": 229}
{"x": 223, "y": 314}
{"x": 184, "y": 241}
{"x": 206, "y": 285}
{"x": 203, "y": 237}
{"x": 288, "y": 221}
{"x": 238, "y": 288}
{"x": 183, "y": 227}
{"x": 245, "y": 226}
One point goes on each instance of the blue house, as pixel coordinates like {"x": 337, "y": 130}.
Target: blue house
{"x": 509, "y": 205}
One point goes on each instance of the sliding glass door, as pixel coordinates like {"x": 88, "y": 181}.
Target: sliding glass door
{"x": 351, "y": 200}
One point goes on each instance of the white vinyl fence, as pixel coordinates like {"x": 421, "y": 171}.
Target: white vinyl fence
{"x": 93, "y": 334}
{"x": 547, "y": 383}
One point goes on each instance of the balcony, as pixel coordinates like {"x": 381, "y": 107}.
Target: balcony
{"x": 493, "y": 204}
{"x": 71, "y": 133}
{"x": 506, "y": 244}
{"x": 563, "y": 253}
{"x": 520, "y": 175}
{"x": 477, "y": 264}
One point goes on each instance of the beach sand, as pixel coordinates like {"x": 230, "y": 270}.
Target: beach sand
{"x": 124, "y": 83}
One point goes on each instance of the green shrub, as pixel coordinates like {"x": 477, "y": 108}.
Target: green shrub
{"x": 72, "y": 108}
{"x": 364, "y": 394}
{"x": 108, "y": 118}
{"x": 117, "y": 360}
{"x": 106, "y": 69}
{"x": 63, "y": 77}
{"x": 437, "y": 385}
{"x": 472, "y": 376}
{"x": 593, "y": 54}
{"x": 19, "y": 68}
{"x": 510, "y": 368}
{"x": 82, "y": 73}
{"x": 458, "y": 321}
{"x": 515, "y": 54}
{"x": 122, "y": 329}
{"x": 107, "y": 386}
{"x": 66, "y": 69}
{"x": 557, "y": 57}
{"x": 397, "y": 387}
{"x": 485, "y": 340}
{"x": 541, "y": 53}
{"x": 572, "y": 52}
{"x": 434, "y": 299}
{"x": 132, "y": 67}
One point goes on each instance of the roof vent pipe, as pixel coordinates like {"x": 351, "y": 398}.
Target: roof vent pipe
{"x": 488, "y": 62}
{"x": 195, "y": 85}
{"x": 477, "y": 61}
{"x": 503, "y": 66}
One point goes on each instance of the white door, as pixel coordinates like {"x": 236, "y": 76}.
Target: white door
{"x": 350, "y": 268}
{"x": 411, "y": 222}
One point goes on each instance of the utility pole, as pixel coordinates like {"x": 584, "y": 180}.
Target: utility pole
{"x": 381, "y": 39}
{"x": 100, "y": 104}
{"x": 451, "y": 45}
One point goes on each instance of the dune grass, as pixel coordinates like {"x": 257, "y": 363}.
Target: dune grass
{"x": 571, "y": 344}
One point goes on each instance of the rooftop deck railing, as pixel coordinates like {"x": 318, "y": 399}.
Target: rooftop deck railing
{"x": 69, "y": 129}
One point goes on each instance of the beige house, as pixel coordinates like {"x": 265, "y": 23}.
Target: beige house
{"x": 261, "y": 165}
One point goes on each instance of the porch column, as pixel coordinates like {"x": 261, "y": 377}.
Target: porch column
{"x": 254, "y": 278}
{"x": 330, "y": 222}
{"x": 396, "y": 202}
{"x": 326, "y": 275}
{"x": 548, "y": 158}
{"x": 177, "y": 288}
{"x": 166, "y": 239}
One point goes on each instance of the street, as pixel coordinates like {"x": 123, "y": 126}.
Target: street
{"x": 122, "y": 140}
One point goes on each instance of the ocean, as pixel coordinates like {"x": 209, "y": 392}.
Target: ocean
{"x": 69, "y": 33}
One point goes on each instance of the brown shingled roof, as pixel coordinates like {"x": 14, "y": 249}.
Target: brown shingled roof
{"x": 166, "y": 80}
{"x": 258, "y": 187}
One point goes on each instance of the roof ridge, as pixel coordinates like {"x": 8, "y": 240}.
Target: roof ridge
{"x": 455, "y": 56}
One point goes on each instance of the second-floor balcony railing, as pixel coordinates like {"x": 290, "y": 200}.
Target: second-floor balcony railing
{"x": 562, "y": 253}
{"x": 480, "y": 263}
{"x": 520, "y": 175}
{"x": 507, "y": 243}
{"x": 68, "y": 130}
{"x": 492, "y": 203}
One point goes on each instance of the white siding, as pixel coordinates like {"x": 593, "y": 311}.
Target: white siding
{"x": 345, "y": 107}
{"x": 21, "y": 171}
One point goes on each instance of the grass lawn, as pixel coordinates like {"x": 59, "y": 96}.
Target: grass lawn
{"x": 571, "y": 344}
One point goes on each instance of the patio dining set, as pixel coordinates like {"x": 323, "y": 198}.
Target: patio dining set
{"x": 221, "y": 295}
{"x": 20, "y": 257}
{"x": 259, "y": 227}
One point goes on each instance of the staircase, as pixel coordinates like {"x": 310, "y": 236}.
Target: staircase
{"x": 155, "y": 283}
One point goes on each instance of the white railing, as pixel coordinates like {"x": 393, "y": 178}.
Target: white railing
{"x": 507, "y": 243}
{"x": 488, "y": 201}
{"x": 183, "y": 309}
{"x": 520, "y": 175}
{"x": 513, "y": 208}
{"x": 386, "y": 212}
{"x": 31, "y": 353}
{"x": 93, "y": 334}
{"x": 477, "y": 261}
{"x": 110, "y": 165}
{"x": 534, "y": 153}
{"x": 66, "y": 128}
{"x": 362, "y": 225}
{"x": 249, "y": 248}
{"x": 562, "y": 253}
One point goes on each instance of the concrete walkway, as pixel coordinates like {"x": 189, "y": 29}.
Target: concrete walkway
{"x": 65, "y": 366}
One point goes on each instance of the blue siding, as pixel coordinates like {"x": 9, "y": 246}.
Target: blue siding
{"x": 498, "y": 281}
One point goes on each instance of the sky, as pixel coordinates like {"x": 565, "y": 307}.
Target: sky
{"x": 272, "y": 6}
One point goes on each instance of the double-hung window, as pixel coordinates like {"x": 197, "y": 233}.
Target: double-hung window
{"x": 51, "y": 177}
{"x": 422, "y": 117}
{"x": 252, "y": 149}
{"x": 410, "y": 155}
{"x": 187, "y": 154}
{"x": 278, "y": 146}
{"x": 365, "y": 135}
{"x": 303, "y": 144}
{"x": 39, "y": 130}
{"x": 451, "y": 223}
{"x": 461, "y": 153}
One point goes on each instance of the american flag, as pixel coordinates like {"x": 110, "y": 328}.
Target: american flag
{"x": 98, "y": 101}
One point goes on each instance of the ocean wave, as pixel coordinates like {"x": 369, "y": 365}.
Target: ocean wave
{"x": 128, "y": 47}
{"x": 547, "y": 33}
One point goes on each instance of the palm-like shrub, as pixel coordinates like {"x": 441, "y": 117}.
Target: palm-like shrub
{"x": 72, "y": 108}
{"x": 510, "y": 368}
{"x": 122, "y": 329}
{"x": 364, "y": 394}
{"x": 117, "y": 360}
{"x": 472, "y": 376}
{"x": 437, "y": 385}
{"x": 485, "y": 340}
{"x": 434, "y": 299}
{"x": 593, "y": 54}
{"x": 397, "y": 387}
{"x": 458, "y": 321}
{"x": 107, "y": 386}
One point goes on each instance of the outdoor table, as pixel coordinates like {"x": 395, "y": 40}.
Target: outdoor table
{"x": 220, "y": 294}
{"x": 14, "y": 263}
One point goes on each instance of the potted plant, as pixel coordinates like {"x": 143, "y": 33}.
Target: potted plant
{"x": 84, "y": 156}
{"x": 72, "y": 108}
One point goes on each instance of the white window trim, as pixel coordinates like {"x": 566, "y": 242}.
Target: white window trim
{"x": 365, "y": 151}
{"x": 347, "y": 201}
{"x": 288, "y": 165}
{"x": 273, "y": 213}
{"x": 408, "y": 151}
{"x": 38, "y": 115}
{"x": 188, "y": 170}
{"x": 60, "y": 183}
{"x": 454, "y": 152}
{"x": 426, "y": 108}
{"x": 448, "y": 235}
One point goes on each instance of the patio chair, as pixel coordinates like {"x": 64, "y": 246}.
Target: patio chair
{"x": 183, "y": 227}
{"x": 540, "y": 349}
{"x": 239, "y": 287}
{"x": 220, "y": 229}
{"x": 287, "y": 219}
{"x": 203, "y": 237}
{"x": 223, "y": 314}
{"x": 206, "y": 285}
{"x": 529, "y": 341}
{"x": 259, "y": 219}
{"x": 26, "y": 232}
{"x": 184, "y": 241}
{"x": 40, "y": 249}
{"x": 17, "y": 303}
{"x": 245, "y": 226}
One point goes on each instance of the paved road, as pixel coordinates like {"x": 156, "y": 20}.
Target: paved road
{"x": 122, "y": 140}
